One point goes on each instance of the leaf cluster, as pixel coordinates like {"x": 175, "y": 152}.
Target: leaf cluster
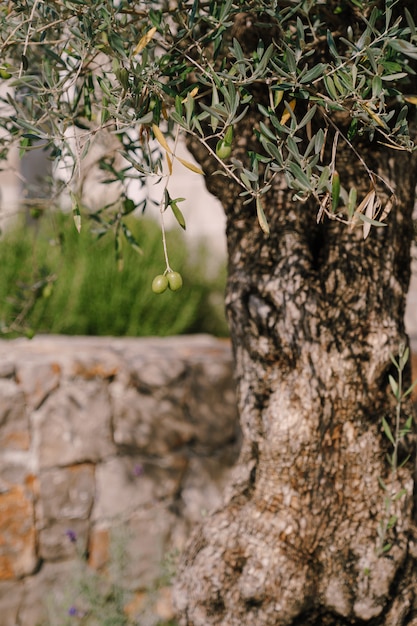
{"x": 330, "y": 74}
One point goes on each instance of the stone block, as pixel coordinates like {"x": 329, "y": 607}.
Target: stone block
{"x": 17, "y": 533}
{"x": 14, "y": 422}
{"x": 150, "y": 423}
{"x": 211, "y": 404}
{"x": 99, "y": 547}
{"x": 120, "y": 492}
{"x": 11, "y": 597}
{"x": 204, "y": 483}
{"x": 65, "y": 501}
{"x": 151, "y": 372}
{"x": 90, "y": 366}
{"x": 37, "y": 379}
{"x": 7, "y": 368}
{"x": 16, "y": 471}
{"x": 62, "y": 540}
{"x": 74, "y": 425}
{"x": 67, "y": 493}
{"x": 149, "y": 533}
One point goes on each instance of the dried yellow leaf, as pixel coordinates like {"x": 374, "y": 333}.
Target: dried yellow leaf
{"x": 375, "y": 117}
{"x": 191, "y": 166}
{"x": 392, "y": 146}
{"x": 192, "y": 94}
{"x": 160, "y": 138}
{"x": 369, "y": 198}
{"x": 286, "y": 115}
{"x": 411, "y": 99}
{"x": 263, "y": 222}
{"x": 369, "y": 214}
{"x": 143, "y": 42}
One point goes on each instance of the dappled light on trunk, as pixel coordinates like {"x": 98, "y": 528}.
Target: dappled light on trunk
{"x": 315, "y": 312}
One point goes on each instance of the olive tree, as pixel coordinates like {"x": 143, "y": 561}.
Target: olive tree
{"x": 301, "y": 117}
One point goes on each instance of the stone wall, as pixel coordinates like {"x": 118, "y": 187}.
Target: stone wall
{"x": 98, "y": 434}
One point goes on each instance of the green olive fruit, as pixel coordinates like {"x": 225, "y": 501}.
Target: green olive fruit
{"x": 160, "y": 283}
{"x": 335, "y": 190}
{"x": 223, "y": 149}
{"x": 47, "y": 290}
{"x": 123, "y": 76}
{"x": 174, "y": 280}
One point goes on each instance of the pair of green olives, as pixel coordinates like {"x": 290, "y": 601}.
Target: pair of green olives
{"x": 171, "y": 279}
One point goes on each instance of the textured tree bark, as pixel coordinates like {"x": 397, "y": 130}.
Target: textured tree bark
{"x": 315, "y": 311}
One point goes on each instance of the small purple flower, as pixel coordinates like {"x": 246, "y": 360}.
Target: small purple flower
{"x": 72, "y": 535}
{"x": 72, "y": 611}
{"x": 138, "y": 469}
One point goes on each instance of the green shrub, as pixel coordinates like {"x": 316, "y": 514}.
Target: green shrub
{"x": 55, "y": 280}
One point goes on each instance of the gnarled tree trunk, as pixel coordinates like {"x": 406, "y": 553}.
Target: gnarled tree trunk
{"x": 315, "y": 311}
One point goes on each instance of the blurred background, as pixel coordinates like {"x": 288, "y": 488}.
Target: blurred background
{"x": 55, "y": 280}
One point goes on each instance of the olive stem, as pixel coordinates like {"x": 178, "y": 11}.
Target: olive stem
{"x": 163, "y": 206}
{"x": 25, "y": 46}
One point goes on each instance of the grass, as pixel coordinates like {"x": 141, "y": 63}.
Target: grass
{"x": 55, "y": 280}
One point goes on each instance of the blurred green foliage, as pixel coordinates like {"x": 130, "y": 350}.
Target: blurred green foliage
{"x": 55, "y": 280}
